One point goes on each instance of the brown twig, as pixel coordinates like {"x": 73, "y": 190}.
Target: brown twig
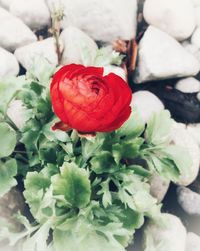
{"x": 57, "y": 16}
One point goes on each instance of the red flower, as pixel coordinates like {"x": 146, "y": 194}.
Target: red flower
{"x": 87, "y": 101}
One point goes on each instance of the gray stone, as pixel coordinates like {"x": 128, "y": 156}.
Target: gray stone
{"x": 189, "y": 200}
{"x": 146, "y": 104}
{"x": 17, "y": 113}
{"x": 193, "y": 242}
{"x": 169, "y": 235}
{"x": 181, "y": 137}
{"x": 6, "y": 3}
{"x": 102, "y": 20}
{"x": 158, "y": 187}
{"x": 116, "y": 70}
{"x": 176, "y": 17}
{"x": 79, "y": 48}
{"x": 26, "y": 55}
{"x": 13, "y": 32}
{"x": 8, "y": 64}
{"x": 162, "y": 57}
{"x": 34, "y": 13}
{"x": 188, "y": 85}
{"x": 196, "y": 38}
{"x": 194, "y": 131}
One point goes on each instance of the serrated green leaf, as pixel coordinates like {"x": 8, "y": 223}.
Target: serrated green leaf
{"x": 73, "y": 183}
{"x": 8, "y": 170}
{"x": 106, "y": 194}
{"x": 133, "y": 127}
{"x": 158, "y": 128}
{"x": 181, "y": 158}
{"x": 104, "y": 163}
{"x": 128, "y": 149}
{"x": 8, "y": 90}
{"x": 8, "y": 140}
{"x": 36, "y": 185}
{"x": 41, "y": 70}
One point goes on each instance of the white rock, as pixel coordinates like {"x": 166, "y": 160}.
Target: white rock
{"x": 162, "y": 57}
{"x": 193, "y": 49}
{"x": 102, "y": 20}
{"x": 197, "y": 15}
{"x": 196, "y": 2}
{"x": 34, "y": 13}
{"x": 45, "y": 48}
{"x": 13, "y": 32}
{"x": 189, "y": 200}
{"x": 181, "y": 137}
{"x": 193, "y": 242}
{"x": 79, "y": 48}
{"x": 158, "y": 187}
{"x": 188, "y": 85}
{"x": 196, "y": 38}
{"x": 115, "y": 69}
{"x": 6, "y": 3}
{"x": 17, "y": 113}
{"x": 190, "y": 47}
{"x": 170, "y": 236}
{"x": 176, "y": 17}
{"x": 146, "y": 103}
{"x": 194, "y": 131}
{"x": 8, "y": 64}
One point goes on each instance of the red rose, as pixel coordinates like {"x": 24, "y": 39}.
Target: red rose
{"x": 87, "y": 101}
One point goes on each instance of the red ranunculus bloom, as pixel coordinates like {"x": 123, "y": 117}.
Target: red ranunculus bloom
{"x": 87, "y": 101}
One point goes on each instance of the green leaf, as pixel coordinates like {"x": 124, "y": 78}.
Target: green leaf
{"x": 133, "y": 127}
{"x": 81, "y": 235}
{"x": 7, "y": 172}
{"x": 36, "y": 184}
{"x": 106, "y": 194}
{"x": 131, "y": 219}
{"x": 8, "y": 90}
{"x": 104, "y": 163}
{"x": 74, "y": 184}
{"x": 166, "y": 168}
{"x": 41, "y": 70}
{"x": 127, "y": 149}
{"x": 106, "y": 56}
{"x": 158, "y": 128}
{"x": 8, "y": 140}
{"x": 181, "y": 158}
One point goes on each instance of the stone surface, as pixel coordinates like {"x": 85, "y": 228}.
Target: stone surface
{"x": 193, "y": 49}
{"x": 197, "y": 14}
{"x": 196, "y": 38}
{"x": 146, "y": 103}
{"x": 188, "y": 85}
{"x": 168, "y": 236}
{"x": 159, "y": 187}
{"x": 8, "y": 64}
{"x": 189, "y": 200}
{"x": 6, "y": 3}
{"x": 115, "y": 69}
{"x": 194, "y": 131}
{"x": 34, "y": 13}
{"x": 17, "y": 113}
{"x": 196, "y": 2}
{"x": 162, "y": 57}
{"x": 79, "y": 48}
{"x": 13, "y": 32}
{"x": 176, "y": 17}
{"x": 193, "y": 242}
{"x": 181, "y": 137}
{"x": 45, "y": 48}
{"x": 102, "y": 20}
